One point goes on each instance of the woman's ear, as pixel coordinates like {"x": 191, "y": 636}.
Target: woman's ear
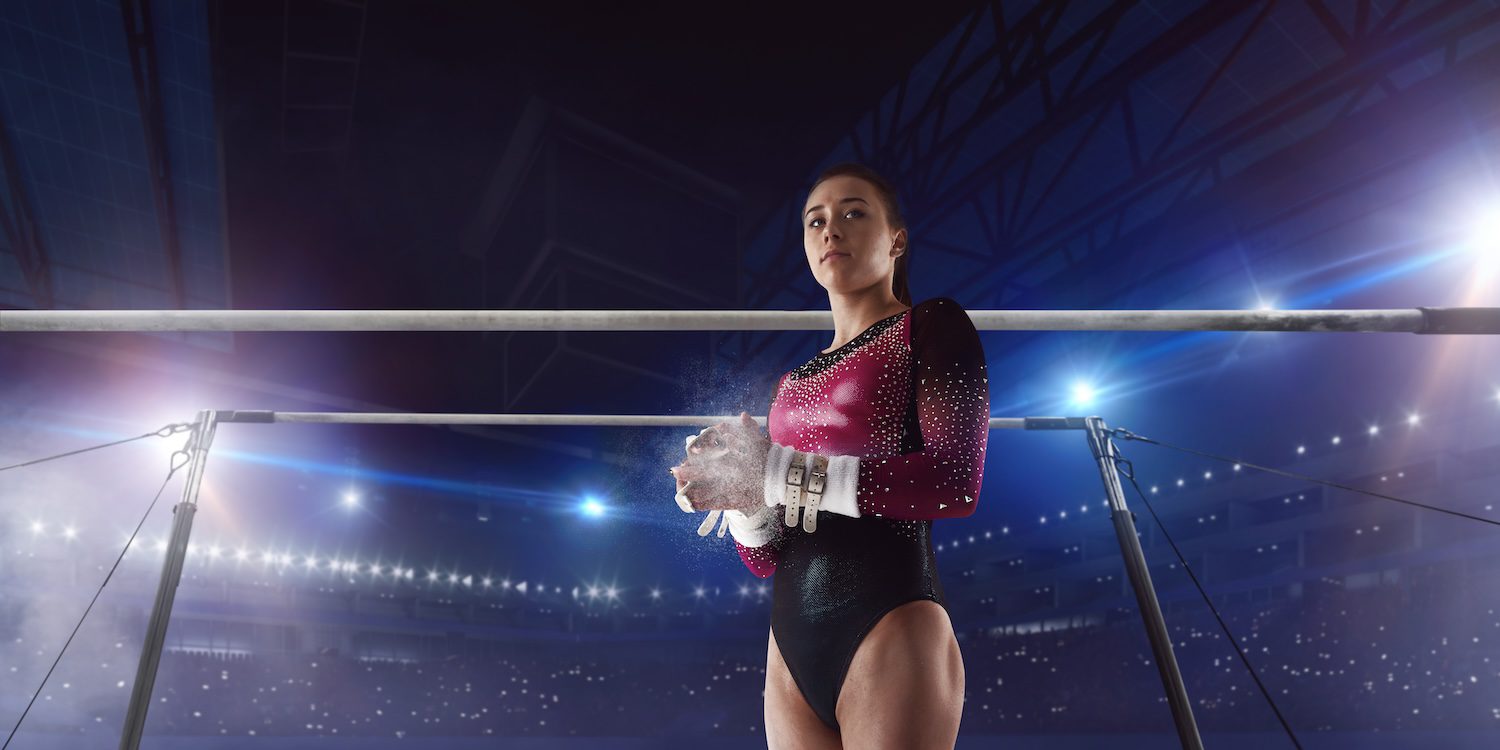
{"x": 898, "y": 242}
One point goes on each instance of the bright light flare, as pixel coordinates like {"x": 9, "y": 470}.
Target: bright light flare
{"x": 1484, "y": 243}
{"x": 592, "y": 507}
{"x": 1083, "y": 394}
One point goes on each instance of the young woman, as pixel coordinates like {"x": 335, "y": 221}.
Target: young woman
{"x": 861, "y": 652}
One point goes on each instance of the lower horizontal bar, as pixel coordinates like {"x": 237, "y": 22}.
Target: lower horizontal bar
{"x": 548, "y": 420}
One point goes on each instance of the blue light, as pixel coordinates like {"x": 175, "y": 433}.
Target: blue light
{"x": 593, "y": 507}
{"x": 1083, "y": 394}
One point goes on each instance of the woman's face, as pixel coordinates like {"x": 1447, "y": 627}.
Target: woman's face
{"x": 848, "y": 240}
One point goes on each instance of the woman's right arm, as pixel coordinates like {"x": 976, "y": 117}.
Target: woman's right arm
{"x": 759, "y": 527}
{"x": 757, "y": 536}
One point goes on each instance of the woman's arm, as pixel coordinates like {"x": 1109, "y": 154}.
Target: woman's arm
{"x": 942, "y": 479}
{"x": 757, "y": 536}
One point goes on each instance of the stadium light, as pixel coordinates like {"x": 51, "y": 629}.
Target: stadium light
{"x": 1083, "y": 394}
{"x": 1484, "y": 243}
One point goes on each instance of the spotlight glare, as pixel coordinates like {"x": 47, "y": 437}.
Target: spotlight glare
{"x": 70, "y": 532}
{"x": 1413, "y": 419}
{"x": 1484, "y": 242}
{"x": 1374, "y": 429}
{"x": 351, "y": 500}
{"x": 1083, "y": 394}
{"x": 592, "y": 507}
{"x": 36, "y": 527}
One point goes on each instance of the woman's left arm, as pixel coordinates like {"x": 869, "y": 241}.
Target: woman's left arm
{"x": 941, "y": 480}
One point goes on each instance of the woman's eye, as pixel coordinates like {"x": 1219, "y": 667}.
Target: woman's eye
{"x": 814, "y": 222}
{"x": 855, "y": 212}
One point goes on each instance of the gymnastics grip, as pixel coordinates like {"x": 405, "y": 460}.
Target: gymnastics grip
{"x": 1460, "y": 320}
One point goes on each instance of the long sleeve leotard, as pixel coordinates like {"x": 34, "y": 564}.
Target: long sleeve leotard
{"x": 902, "y": 412}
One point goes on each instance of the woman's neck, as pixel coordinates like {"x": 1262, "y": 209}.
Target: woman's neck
{"x": 852, "y": 314}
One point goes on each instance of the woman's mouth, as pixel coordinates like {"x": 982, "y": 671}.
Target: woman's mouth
{"x": 831, "y": 256}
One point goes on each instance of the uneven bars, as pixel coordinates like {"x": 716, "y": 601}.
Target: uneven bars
{"x": 1428, "y": 320}
{"x": 562, "y": 420}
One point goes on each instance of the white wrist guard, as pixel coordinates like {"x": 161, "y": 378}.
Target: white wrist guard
{"x": 754, "y": 529}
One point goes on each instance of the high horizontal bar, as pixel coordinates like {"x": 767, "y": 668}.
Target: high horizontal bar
{"x": 1480, "y": 320}
{"x": 567, "y": 420}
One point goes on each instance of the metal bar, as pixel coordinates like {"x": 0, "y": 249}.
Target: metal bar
{"x": 166, "y": 588}
{"x": 1145, "y": 593}
{"x": 1469, "y": 320}
{"x": 543, "y": 420}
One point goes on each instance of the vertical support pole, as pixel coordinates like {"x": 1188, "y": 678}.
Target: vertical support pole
{"x": 1140, "y": 580}
{"x": 166, "y": 588}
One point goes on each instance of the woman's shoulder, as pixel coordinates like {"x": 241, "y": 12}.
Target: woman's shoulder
{"x": 943, "y": 309}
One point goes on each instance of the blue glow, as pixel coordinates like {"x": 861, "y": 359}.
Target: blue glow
{"x": 593, "y": 507}
{"x": 1083, "y": 394}
{"x": 343, "y": 471}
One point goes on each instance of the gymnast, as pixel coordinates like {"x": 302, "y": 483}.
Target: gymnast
{"x": 869, "y": 442}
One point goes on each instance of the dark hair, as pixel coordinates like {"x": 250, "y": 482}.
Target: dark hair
{"x": 887, "y": 193}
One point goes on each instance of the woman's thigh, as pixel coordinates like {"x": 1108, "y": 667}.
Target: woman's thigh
{"x": 905, "y": 685}
{"x": 790, "y": 722}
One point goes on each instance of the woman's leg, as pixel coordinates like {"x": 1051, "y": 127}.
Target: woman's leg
{"x": 790, "y": 722}
{"x": 905, "y": 686}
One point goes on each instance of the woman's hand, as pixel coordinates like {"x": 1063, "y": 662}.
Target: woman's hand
{"x": 725, "y": 467}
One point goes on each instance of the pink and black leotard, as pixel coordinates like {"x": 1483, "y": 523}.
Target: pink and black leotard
{"x": 909, "y": 397}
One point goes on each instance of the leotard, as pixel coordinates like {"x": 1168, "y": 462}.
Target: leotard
{"x": 909, "y": 397}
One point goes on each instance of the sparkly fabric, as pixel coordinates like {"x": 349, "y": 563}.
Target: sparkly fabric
{"x": 908, "y": 396}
